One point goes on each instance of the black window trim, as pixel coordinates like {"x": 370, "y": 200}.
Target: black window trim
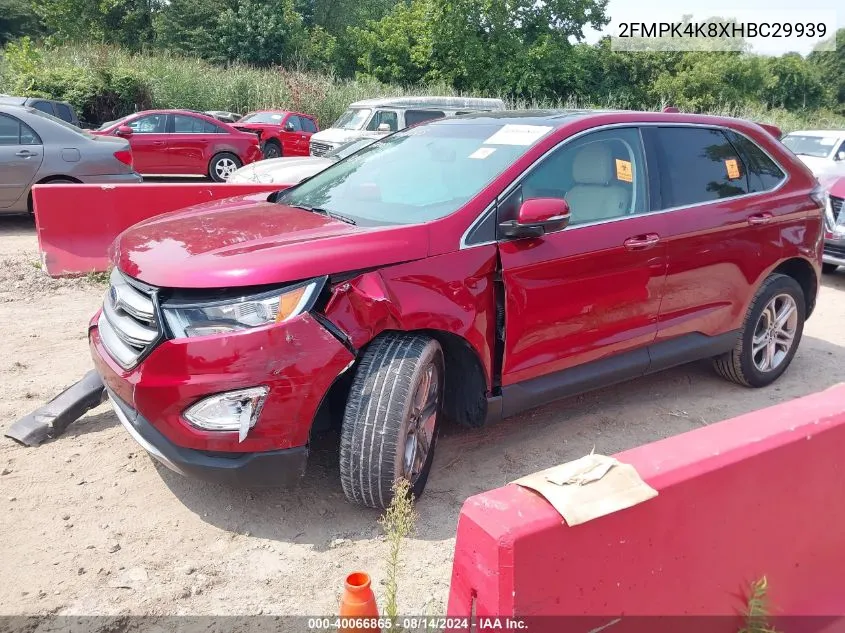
{"x": 464, "y": 243}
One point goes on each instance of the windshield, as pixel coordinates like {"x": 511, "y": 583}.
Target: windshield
{"x": 353, "y": 119}
{"x": 347, "y": 149}
{"x": 416, "y": 175}
{"x": 818, "y": 146}
{"x": 274, "y": 118}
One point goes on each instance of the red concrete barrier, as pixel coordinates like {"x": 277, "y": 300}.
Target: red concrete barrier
{"x": 758, "y": 495}
{"x": 77, "y": 223}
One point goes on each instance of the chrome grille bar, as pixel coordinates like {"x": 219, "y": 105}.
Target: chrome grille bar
{"x": 127, "y": 323}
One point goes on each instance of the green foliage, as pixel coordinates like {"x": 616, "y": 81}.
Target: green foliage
{"x": 757, "y": 609}
{"x": 16, "y": 20}
{"x": 190, "y": 27}
{"x": 261, "y": 32}
{"x": 398, "y": 523}
{"x": 128, "y": 23}
{"x": 831, "y": 68}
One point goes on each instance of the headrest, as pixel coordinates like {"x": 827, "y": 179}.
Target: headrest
{"x": 593, "y": 165}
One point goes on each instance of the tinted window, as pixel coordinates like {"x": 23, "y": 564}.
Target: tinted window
{"x": 293, "y": 121}
{"x": 14, "y": 132}
{"x": 601, "y": 175}
{"x": 44, "y": 106}
{"x": 151, "y": 124}
{"x": 698, "y": 165}
{"x": 192, "y": 125}
{"x": 412, "y": 117}
{"x": 64, "y": 112}
{"x": 763, "y": 173}
{"x": 308, "y": 125}
{"x": 384, "y": 117}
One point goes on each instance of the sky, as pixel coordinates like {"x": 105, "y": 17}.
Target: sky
{"x": 648, "y": 11}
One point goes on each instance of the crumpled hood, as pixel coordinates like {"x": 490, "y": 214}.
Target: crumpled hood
{"x": 287, "y": 171}
{"x": 247, "y": 241}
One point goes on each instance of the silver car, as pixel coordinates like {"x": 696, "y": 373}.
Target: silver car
{"x": 38, "y": 148}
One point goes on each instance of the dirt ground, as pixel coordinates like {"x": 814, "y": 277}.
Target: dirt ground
{"x": 90, "y": 525}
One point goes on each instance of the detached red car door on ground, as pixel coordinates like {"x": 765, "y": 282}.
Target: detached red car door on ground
{"x": 178, "y": 143}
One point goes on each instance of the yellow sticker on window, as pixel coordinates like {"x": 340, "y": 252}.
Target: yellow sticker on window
{"x": 623, "y": 171}
{"x": 733, "y": 168}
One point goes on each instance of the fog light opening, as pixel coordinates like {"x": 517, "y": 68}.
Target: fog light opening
{"x": 230, "y": 411}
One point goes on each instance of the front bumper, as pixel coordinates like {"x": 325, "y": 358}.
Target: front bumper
{"x": 272, "y": 468}
{"x": 834, "y": 252}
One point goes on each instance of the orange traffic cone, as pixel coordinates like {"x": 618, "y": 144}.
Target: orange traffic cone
{"x": 358, "y": 609}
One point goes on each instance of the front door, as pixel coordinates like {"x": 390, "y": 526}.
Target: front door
{"x": 21, "y": 154}
{"x": 581, "y": 304}
{"x": 149, "y": 144}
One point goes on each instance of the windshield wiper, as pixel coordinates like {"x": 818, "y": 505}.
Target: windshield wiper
{"x": 326, "y": 212}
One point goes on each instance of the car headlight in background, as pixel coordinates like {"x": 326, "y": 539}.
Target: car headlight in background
{"x": 229, "y": 315}
{"x": 230, "y": 411}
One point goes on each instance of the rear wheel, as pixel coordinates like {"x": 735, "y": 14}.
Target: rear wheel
{"x": 271, "y": 149}
{"x": 391, "y": 420}
{"x": 829, "y": 269}
{"x": 222, "y": 166}
{"x": 770, "y": 334}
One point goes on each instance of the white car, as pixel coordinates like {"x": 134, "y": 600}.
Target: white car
{"x": 290, "y": 171}
{"x": 821, "y": 150}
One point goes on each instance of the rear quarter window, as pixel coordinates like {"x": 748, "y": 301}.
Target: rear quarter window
{"x": 698, "y": 165}
{"x": 763, "y": 172}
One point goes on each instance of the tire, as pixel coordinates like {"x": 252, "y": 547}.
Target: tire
{"x": 747, "y": 363}
{"x": 271, "y": 149}
{"x": 389, "y": 394}
{"x": 829, "y": 269}
{"x": 222, "y": 166}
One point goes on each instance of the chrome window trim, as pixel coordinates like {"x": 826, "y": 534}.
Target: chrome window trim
{"x": 713, "y": 126}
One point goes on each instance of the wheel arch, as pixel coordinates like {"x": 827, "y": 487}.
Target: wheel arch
{"x": 44, "y": 181}
{"x": 805, "y": 274}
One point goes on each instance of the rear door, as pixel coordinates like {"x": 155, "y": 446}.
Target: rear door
{"x": 721, "y": 233}
{"x": 149, "y": 144}
{"x": 581, "y": 304}
{"x": 190, "y": 144}
{"x": 21, "y": 154}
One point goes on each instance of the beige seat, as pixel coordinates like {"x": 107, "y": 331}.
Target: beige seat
{"x": 596, "y": 194}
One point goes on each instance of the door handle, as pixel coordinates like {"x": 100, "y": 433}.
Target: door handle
{"x": 25, "y": 153}
{"x": 158, "y": 142}
{"x": 761, "y": 218}
{"x": 640, "y": 242}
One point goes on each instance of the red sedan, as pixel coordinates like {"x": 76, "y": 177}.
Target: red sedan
{"x": 282, "y": 133}
{"x": 180, "y": 143}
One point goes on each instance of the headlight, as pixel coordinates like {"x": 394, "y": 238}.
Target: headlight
{"x": 228, "y": 315}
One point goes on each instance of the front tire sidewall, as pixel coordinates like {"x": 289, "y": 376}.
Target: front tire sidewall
{"x": 271, "y": 149}
{"x": 437, "y": 358}
{"x": 781, "y": 285}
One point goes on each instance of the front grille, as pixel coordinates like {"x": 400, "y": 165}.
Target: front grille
{"x": 320, "y": 149}
{"x": 834, "y": 250}
{"x": 836, "y": 209}
{"x": 128, "y": 325}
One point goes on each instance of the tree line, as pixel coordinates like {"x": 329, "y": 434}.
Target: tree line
{"x": 529, "y": 49}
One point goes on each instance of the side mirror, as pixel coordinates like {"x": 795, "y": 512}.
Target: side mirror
{"x": 289, "y": 127}
{"x": 124, "y": 130}
{"x": 384, "y": 127}
{"x": 537, "y": 217}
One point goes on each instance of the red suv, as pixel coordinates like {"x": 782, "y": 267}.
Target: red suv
{"x": 179, "y": 142}
{"x": 282, "y": 133}
{"x": 466, "y": 269}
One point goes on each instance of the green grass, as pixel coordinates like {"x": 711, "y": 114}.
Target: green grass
{"x": 179, "y": 82}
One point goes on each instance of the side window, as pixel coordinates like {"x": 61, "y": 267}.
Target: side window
{"x": 294, "y": 121}
{"x": 64, "y": 112}
{"x": 601, "y": 175}
{"x": 44, "y": 106}
{"x": 763, "y": 173}
{"x": 308, "y": 125}
{"x": 152, "y": 124}
{"x": 29, "y": 136}
{"x": 384, "y": 117}
{"x": 412, "y": 117}
{"x": 699, "y": 165}
{"x": 10, "y": 130}
{"x": 209, "y": 128}
{"x": 192, "y": 125}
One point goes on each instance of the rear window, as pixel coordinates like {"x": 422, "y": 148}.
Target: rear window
{"x": 699, "y": 165}
{"x": 64, "y": 112}
{"x": 412, "y": 117}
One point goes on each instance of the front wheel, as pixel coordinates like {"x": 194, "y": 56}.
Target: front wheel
{"x": 770, "y": 334}
{"x": 222, "y": 166}
{"x": 271, "y": 149}
{"x": 391, "y": 420}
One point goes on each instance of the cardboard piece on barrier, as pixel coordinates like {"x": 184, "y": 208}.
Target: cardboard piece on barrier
{"x": 590, "y": 487}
